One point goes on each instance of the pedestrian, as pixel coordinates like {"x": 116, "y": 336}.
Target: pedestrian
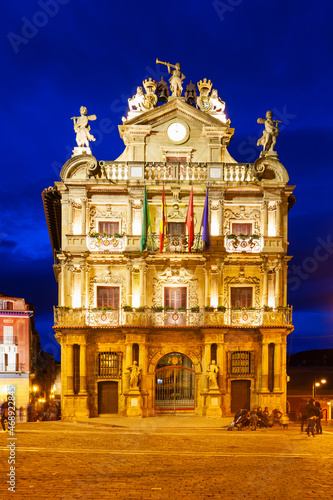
{"x": 319, "y": 417}
{"x": 303, "y": 419}
{"x": 254, "y": 419}
{"x": 277, "y": 415}
{"x": 4, "y": 415}
{"x": 312, "y": 413}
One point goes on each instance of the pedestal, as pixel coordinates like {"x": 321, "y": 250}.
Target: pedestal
{"x": 214, "y": 401}
{"x": 81, "y": 151}
{"x": 134, "y": 403}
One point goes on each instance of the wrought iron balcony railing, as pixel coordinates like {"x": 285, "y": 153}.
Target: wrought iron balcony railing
{"x": 81, "y": 317}
{"x": 8, "y": 340}
{"x": 172, "y": 244}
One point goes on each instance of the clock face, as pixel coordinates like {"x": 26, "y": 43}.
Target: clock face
{"x": 177, "y": 132}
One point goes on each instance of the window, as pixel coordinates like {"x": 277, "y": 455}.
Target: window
{"x": 176, "y": 228}
{"x": 175, "y": 297}
{"x": 108, "y": 296}
{"x": 241, "y": 363}
{"x": 6, "y": 305}
{"x": 176, "y": 159}
{"x": 76, "y": 368}
{"x": 244, "y": 228}
{"x": 108, "y": 365}
{"x": 108, "y": 227}
{"x": 241, "y": 296}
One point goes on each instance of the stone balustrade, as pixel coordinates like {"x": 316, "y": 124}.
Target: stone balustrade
{"x": 106, "y": 244}
{"x": 81, "y": 317}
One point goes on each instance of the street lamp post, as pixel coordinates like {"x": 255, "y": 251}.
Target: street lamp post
{"x": 317, "y": 384}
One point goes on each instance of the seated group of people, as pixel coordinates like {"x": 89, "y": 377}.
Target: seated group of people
{"x": 257, "y": 418}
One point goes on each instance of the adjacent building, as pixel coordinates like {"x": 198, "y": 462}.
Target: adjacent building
{"x": 151, "y": 324}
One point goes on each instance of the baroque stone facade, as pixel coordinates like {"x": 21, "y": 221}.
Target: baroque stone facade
{"x": 139, "y": 329}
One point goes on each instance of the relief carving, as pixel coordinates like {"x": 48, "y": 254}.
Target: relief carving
{"x": 107, "y": 212}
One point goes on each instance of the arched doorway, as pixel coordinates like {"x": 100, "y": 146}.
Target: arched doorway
{"x": 174, "y": 384}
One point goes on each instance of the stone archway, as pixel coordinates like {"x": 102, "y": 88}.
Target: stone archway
{"x": 174, "y": 384}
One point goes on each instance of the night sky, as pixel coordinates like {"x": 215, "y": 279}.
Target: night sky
{"x": 60, "y": 54}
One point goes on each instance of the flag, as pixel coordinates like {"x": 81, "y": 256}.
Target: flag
{"x": 189, "y": 223}
{"x": 145, "y": 222}
{"x": 205, "y": 223}
{"x": 163, "y": 221}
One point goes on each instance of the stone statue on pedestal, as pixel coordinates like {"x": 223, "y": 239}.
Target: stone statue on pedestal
{"x": 271, "y": 132}
{"x": 134, "y": 375}
{"x": 212, "y": 372}
{"x": 82, "y": 128}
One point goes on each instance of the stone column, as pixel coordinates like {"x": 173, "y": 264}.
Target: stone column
{"x": 265, "y": 214}
{"x": 68, "y": 287}
{"x": 264, "y": 283}
{"x": 87, "y": 270}
{"x": 142, "y": 286}
{"x": 129, "y": 284}
{"x": 221, "y": 218}
{"x": 69, "y": 356}
{"x": 278, "y": 219}
{"x": 83, "y": 282}
{"x": 277, "y": 286}
{"x": 62, "y": 284}
{"x": 264, "y": 367}
{"x": 129, "y": 217}
{"x": 83, "y": 215}
{"x": 207, "y": 285}
{"x": 220, "y": 364}
{"x": 70, "y": 216}
{"x": 214, "y": 277}
{"x": 205, "y": 365}
{"x": 83, "y": 369}
{"x": 277, "y": 368}
{"x": 220, "y": 285}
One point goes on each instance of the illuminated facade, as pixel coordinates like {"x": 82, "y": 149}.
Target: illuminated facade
{"x": 169, "y": 314}
{"x": 17, "y": 335}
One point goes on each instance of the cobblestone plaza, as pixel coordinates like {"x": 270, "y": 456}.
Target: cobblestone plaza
{"x": 164, "y": 458}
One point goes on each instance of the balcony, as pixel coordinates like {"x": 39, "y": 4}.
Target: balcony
{"x": 176, "y": 171}
{"x": 175, "y": 244}
{"x": 251, "y": 243}
{"x": 81, "y": 317}
{"x": 12, "y": 367}
{"x": 8, "y": 340}
{"x": 107, "y": 244}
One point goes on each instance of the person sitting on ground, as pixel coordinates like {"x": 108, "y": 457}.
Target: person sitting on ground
{"x": 277, "y": 415}
{"x": 254, "y": 419}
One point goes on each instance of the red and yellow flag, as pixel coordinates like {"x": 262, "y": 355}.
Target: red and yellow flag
{"x": 163, "y": 221}
{"x": 190, "y": 222}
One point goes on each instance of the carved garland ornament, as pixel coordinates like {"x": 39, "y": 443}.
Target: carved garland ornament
{"x": 175, "y": 276}
{"x": 242, "y": 281}
{"x": 243, "y": 214}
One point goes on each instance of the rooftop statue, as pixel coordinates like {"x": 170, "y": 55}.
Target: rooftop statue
{"x": 271, "y": 132}
{"x": 176, "y": 79}
{"x": 82, "y": 128}
{"x": 135, "y": 103}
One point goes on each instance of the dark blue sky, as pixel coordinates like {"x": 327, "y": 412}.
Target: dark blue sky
{"x": 60, "y": 54}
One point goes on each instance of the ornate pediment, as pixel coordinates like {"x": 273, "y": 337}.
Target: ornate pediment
{"x": 175, "y": 275}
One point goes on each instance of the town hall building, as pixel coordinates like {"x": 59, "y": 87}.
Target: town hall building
{"x": 171, "y": 262}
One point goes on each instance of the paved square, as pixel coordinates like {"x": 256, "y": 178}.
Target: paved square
{"x": 166, "y": 458}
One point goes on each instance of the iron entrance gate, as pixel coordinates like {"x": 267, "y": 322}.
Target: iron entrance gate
{"x": 174, "y": 382}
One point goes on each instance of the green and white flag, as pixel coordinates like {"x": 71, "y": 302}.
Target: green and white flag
{"x": 145, "y": 222}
